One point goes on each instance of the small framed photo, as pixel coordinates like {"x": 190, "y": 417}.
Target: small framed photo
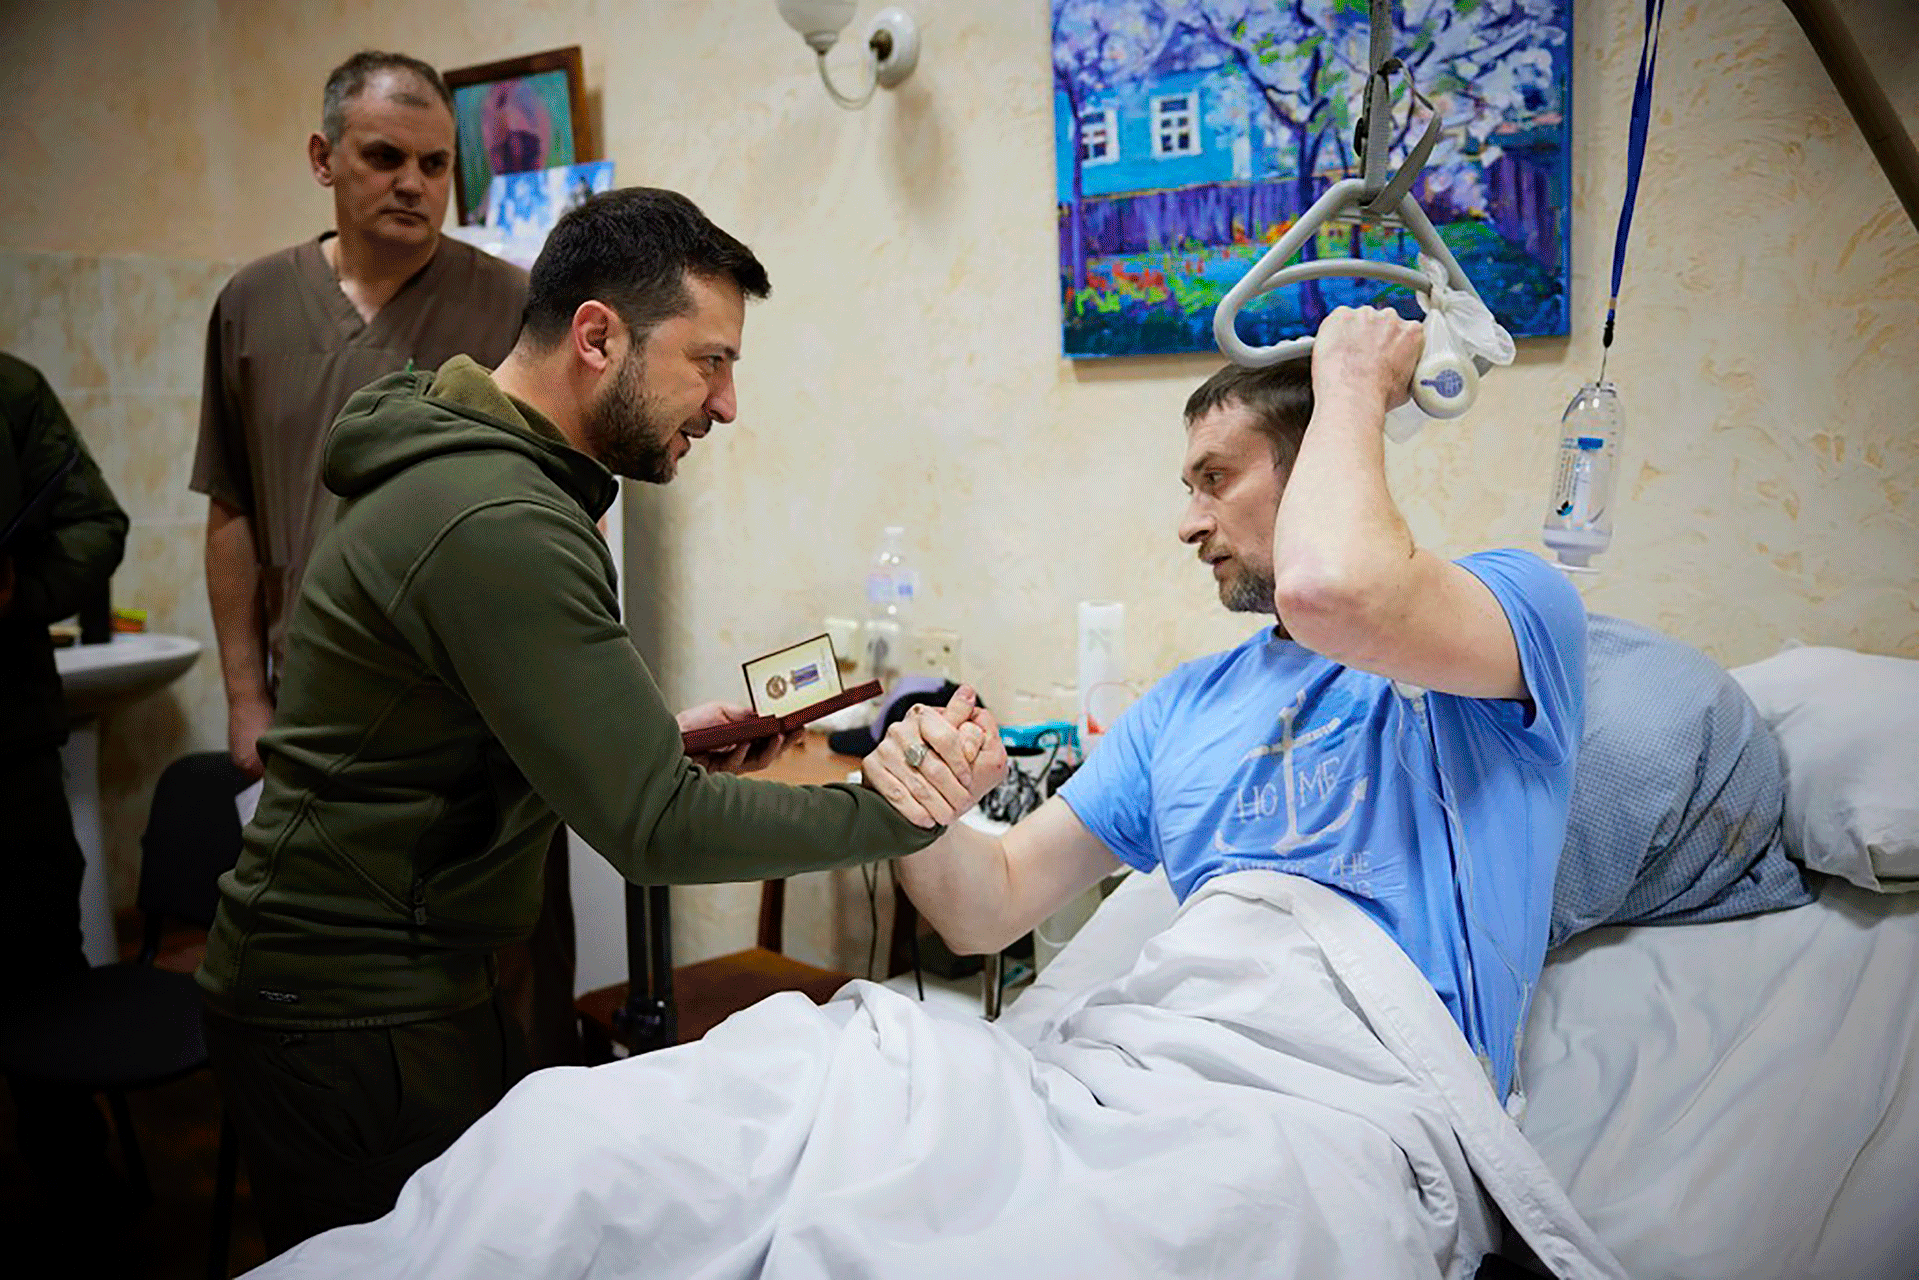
{"x": 521, "y": 208}
{"x": 514, "y": 116}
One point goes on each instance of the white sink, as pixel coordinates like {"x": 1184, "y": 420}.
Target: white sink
{"x": 98, "y": 675}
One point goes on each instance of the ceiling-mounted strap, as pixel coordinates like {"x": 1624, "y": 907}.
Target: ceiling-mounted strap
{"x": 1370, "y": 143}
{"x": 1387, "y": 200}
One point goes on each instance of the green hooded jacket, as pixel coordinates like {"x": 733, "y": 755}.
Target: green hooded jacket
{"x": 457, "y": 682}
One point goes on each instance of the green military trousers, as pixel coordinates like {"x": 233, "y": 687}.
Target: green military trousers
{"x": 332, "y": 1123}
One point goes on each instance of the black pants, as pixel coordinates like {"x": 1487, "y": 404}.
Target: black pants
{"x": 536, "y": 976}
{"x": 61, "y": 1133}
{"x": 332, "y": 1123}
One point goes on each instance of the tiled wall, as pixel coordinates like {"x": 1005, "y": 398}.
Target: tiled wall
{"x": 120, "y": 340}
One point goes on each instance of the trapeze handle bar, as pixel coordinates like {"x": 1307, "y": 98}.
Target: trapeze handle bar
{"x": 1272, "y": 272}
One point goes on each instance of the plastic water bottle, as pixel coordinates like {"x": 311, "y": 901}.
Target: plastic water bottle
{"x": 1579, "y": 515}
{"x": 891, "y": 588}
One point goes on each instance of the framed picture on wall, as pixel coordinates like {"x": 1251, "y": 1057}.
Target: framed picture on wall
{"x": 1189, "y": 138}
{"x": 516, "y": 116}
{"x": 522, "y": 207}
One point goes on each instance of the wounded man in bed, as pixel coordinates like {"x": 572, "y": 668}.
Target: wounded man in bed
{"x": 1308, "y": 1073}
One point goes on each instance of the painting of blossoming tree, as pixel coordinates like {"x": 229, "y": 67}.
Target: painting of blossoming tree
{"x": 1191, "y": 133}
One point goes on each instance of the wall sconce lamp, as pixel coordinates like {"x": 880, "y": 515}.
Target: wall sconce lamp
{"x": 893, "y": 41}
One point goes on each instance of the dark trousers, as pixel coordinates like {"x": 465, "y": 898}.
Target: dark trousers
{"x": 61, "y": 1133}
{"x": 536, "y": 976}
{"x": 332, "y": 1123}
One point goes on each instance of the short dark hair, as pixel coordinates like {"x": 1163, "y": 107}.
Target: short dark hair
{"x": 348, "y": 81}
{"x": 631, "y": 249}
{"x": 1279, "y": 398}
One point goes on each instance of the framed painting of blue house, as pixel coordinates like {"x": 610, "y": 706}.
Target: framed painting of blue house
{"x": 1191, "y": 134}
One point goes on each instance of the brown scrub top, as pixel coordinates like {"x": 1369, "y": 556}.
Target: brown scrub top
{"x": 286, "y": 348}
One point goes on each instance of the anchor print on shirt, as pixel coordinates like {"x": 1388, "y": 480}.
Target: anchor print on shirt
{"x": 1344, "y": 865}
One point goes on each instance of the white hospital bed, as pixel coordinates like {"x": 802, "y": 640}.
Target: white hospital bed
{"x": 1266, "y": 1085}
{"x": 1732, "y": 1099}
{"x": 1726, "y": 1101}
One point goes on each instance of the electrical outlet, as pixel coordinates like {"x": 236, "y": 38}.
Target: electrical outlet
{"x": 936, "y": 652}
{"x": 849, "y": 647}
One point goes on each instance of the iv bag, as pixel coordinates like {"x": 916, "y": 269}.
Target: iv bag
{"x": 1579, "y": 514}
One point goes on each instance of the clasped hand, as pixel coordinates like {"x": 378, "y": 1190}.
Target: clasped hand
{"x": 935, "y": 763}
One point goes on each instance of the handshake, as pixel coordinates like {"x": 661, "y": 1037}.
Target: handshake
{"x": 933, "y": 765}
{"x": 936, "y": 762}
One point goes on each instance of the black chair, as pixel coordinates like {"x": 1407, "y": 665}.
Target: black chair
{"x": 130, "y": 1025}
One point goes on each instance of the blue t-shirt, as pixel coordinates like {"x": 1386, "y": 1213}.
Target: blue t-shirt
{"x": 1270, "y": 756}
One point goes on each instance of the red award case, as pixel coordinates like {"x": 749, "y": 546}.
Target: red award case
{"x": 718, "y": 737}
{"x": 789, "y": 687}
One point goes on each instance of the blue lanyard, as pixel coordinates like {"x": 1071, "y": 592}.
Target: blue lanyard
{"x": 1635, "y": 156}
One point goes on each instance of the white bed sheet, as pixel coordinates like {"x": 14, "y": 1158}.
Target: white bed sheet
{"x": 1272, "y": 1089}
{"x": 1720, "y": 1100}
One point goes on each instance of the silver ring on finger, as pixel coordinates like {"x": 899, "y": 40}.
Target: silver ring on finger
{"x": 915, "y": 754}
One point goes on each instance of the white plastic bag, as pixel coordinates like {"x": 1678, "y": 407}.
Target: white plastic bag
{"x": 1458, "y": 328}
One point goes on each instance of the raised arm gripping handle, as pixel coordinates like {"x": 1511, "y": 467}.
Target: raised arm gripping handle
{"x": 1445, "y": 382}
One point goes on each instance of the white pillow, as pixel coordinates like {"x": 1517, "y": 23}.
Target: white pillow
{"x": 1848, "y": 729}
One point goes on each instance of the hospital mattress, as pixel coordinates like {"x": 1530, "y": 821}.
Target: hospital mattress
{"x": 1739, "y": 1099}
{"x": 1734, "y": 1099}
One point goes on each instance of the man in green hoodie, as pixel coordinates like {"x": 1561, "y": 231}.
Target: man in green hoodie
{"x": 458, "y": 682}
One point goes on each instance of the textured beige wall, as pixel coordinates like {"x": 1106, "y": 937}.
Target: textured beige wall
{"x": 906, "y": 368}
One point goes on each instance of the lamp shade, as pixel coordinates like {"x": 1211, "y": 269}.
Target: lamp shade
{"x": 819, "y": 22}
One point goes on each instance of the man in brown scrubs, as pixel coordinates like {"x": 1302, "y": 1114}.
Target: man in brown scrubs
{"x": 292, "y": 336}
{"x": 297, "y": 332}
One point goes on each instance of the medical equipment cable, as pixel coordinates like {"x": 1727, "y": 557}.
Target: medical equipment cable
{"x": 912, "y": 937}
{"x": 871, "y": 876}
{"x": 1635, "y": 158}
{"x": 1416, "y": 704}
{"x": 1019, "y": 793}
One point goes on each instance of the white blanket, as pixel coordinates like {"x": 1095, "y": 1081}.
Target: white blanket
{"x": 1273, "y": 1090}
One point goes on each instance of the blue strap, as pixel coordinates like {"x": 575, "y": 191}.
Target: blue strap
{"x": 1635, "y": 153}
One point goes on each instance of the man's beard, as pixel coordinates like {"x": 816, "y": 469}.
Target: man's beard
{"x": 624, "y": 430}
{"x": 1248, "y": 591}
